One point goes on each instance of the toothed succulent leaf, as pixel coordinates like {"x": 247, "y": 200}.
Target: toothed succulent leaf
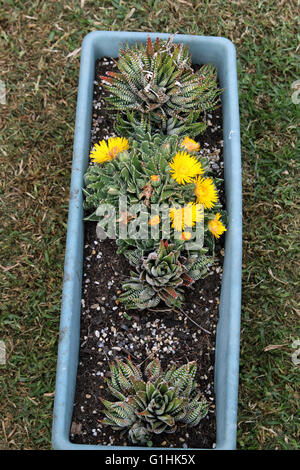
{"x": 142, "y": 174}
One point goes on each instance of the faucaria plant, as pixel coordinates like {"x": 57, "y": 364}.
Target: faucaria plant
{"x": 161, "y": 275}
{"x": 138, "y": 170}
{"x": 157, "y": 84}
{"x": 154, "y": 402}
{"x": 155, "y": 172}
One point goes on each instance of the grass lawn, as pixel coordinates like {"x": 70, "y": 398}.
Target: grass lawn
{"x": 39, "y": 60}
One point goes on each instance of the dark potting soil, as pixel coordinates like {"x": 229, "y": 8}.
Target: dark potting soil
{"x": 109, "y": 332}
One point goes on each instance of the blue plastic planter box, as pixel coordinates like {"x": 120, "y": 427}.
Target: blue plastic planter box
{"x": 204, "y": 50}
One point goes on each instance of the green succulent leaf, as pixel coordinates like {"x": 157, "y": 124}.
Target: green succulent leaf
{"x": 155, "y": 404}
{"x": 160, "y": 90}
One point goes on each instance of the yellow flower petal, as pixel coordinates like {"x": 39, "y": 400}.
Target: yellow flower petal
{"x": 176, "y": 218}
{"x": 216, "y": 227}
{"x": 155, "y": 220}
{"x": 186, "y": 236}
{"x": 186, "y": 216}
{"x": 104, "y": 152}
{"x": 184, "y": 168}
{"x": 206, "y": 192}
{"x": 154, "y": 177}
{"x": 190, "y": 145}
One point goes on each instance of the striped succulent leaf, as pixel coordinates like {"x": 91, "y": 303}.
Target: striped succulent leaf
{"x": 157, "y": 86}
{"x": 196, "y": 410}
{"x": 161, "y": 275}
{"x": 156, "y": 404}
{"x": 118, "y": 414}
{"x": 153, "y": 370}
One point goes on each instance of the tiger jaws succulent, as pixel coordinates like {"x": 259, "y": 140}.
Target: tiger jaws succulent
{"x": 154, "y": 402}
{"x": 140, "y": 172}
{"x": 157, "y": 84}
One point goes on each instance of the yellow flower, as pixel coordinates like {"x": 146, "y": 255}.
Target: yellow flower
{"x": 184, "y": 167}
{"x": 186, "y": 236}
{"x": 104, "y": 152}
{"x": 190, "y": 144}
{"x": 206, "y": 192}
{"x": 154, "y": 177}
{"x": 186, "y": 216}
{"x": 155, "y": 220}
{"x": 216, "y": 227}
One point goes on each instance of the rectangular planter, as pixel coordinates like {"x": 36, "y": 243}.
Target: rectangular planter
{"x": 204, "y": 50}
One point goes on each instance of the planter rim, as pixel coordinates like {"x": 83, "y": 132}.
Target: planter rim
{"x": 222, "y": 53}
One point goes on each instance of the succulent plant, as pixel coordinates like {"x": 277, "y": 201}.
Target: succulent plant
{"x": 137, "y": 126}
{"x": 142, "y": 174}
{"x": 161, "y": 275}
{"x": 158, "y": 98}
{"x": 154, "y": 405}
{"x": 157, "y": 83}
